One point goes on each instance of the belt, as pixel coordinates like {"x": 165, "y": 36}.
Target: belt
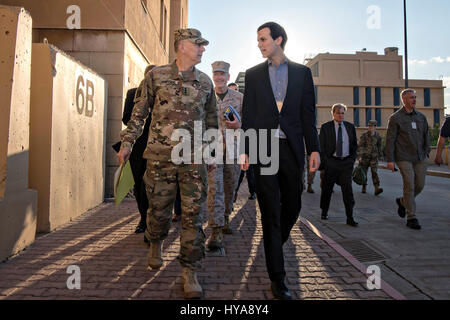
{"x": 340, "y": 158}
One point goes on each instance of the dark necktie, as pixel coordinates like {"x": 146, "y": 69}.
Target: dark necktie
{"x": 339, "y": 142}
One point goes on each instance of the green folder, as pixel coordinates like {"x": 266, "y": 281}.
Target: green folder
{"x": 123, "y": 182}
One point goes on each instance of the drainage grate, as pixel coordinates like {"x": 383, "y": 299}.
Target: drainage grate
{"x": 361, "y": 250}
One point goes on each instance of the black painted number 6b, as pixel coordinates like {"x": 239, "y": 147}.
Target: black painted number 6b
{"x": 85, "y": 102}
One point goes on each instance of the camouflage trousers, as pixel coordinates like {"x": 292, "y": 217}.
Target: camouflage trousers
{"x": 222, "y": 182}
{"x": 373, "y": 164}
{"x": 311, "y": 175}
{"x": 161, "y": 186}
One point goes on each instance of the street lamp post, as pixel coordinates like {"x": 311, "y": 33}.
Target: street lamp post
{"x": 406, "y": 45}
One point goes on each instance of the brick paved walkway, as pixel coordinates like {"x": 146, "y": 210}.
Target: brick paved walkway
{"x": 112, "y": 259}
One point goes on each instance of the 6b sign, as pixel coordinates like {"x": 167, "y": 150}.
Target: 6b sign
{"x": 85, "y": 96}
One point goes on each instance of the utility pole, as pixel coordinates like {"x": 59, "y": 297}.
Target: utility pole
{"x": 406, "y": 45}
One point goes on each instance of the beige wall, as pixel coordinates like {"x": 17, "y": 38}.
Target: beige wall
{"x": 95, "y": 14}
{"x": 18, "y": 204}
{"x": 67, "y": 146}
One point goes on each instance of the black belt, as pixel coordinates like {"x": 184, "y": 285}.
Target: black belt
{"x": 340, "y": 158}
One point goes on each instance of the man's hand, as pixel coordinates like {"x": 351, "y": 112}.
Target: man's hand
{"x": 233, "y": 124}
{"x": 391, "y": 166}
{"x": 123, "y": 155}
{"x": 314, "y": 161}
{"x": 244, "y": 162}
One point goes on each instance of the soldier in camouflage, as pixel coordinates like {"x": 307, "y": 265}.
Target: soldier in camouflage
{"x": 179, "y": 95}
{"x": 369, "y": 151}
{"x": 222, "y": 181}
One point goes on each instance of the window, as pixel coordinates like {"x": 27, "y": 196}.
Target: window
{"x": 315, "y": 69}
{"x": 378, "y": 96}
{"x": 396, "y": 96}
{"x": 378, "y": 116}
{"x": 356, "y": 96}
{"x": 368, "y": 96}
{"x": 163, "y": 25}
{"x": 368, "y": 116}
{"x": 426, "y": 97}
{"x": 356, "y": 117}
{"x": 437, "y": 117}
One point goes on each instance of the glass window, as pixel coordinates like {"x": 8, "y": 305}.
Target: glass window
{"x": 356, "y": 117}
{"x": 437, "y": 117}
{"x": 368, "y": 96}
{"x": 426, "y": 97}
{"x": 378, "y": 116}
{"x": 355, "y": 96}
{"x": 378, "y": 96}
{"x": 396, "y": 96}
{"x": 368, "y": 116}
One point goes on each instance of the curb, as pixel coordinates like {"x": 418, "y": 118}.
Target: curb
{"x": 434, "y": 173}
{"x": 390, "y": 291}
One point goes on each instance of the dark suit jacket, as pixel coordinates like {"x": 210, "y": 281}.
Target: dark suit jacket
{"x": 297, "y": 118}
{"x": 141, "y": 142}
{"x": 328, "y": 141}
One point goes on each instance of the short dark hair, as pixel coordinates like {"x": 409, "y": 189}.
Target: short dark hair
{"x": 275, "y": 31}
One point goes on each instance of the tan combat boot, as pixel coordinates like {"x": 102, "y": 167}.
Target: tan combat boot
{"x": 378, "y": 190}
{"x": 363, "y": 189}
{"x": 310, "y": 189}
{"x": 216, "y": 240}
{"x": 154, "y": 254}
{"x": 227, "y": 228}
{"x": 191, "y": 287}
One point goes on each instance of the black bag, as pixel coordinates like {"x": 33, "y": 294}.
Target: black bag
{"x": 359, "y": 175}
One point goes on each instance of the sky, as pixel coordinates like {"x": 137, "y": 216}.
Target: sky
{"x": 333, "y": 26}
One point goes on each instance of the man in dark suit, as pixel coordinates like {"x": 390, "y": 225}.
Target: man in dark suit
{"x": 137, "y": 163}
{"x": 338, "y": 145}
{"x": 279, "y": 97}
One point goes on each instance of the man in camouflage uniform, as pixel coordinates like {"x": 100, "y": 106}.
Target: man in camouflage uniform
{"x": 369, "y": 150}
{"x": 222, "y": 181}
{"x": 179, "y": 96}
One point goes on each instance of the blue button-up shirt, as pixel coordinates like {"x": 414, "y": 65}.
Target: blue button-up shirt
{"x": 279, "y": 79}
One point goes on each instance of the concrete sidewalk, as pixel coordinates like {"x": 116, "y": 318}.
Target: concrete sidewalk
{"x": 112, "y": 260}
{"x": 415, "y": 262}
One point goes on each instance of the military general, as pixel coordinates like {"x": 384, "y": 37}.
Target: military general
{"x": 180, "y": 97}
{"x": 222, "y": 180}
{"x": 369, "y": 151}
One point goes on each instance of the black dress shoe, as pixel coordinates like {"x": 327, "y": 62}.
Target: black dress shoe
{"x": 324, "y": 216}
{"x": 140, "y": 228}
{"x": 401, "y": 209}
{"x": 252, "y": 196}
{"x": 352, "y": 222}
{"x": 280, "y": 290}
{"x": 413, "y": 224}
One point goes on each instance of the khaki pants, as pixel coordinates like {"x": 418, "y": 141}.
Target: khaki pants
{"x": 413, "y": 175}
{"x": 222, "y": 183}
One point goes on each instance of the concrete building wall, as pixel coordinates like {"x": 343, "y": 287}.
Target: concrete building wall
{"x": 67, "y": 146}
{"x": 18, "y": 204}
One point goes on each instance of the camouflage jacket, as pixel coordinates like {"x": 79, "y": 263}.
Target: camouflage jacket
{"x": 176, "y": 103}
{"x": 369, "y": 146}
{"x": 233, "y": 98}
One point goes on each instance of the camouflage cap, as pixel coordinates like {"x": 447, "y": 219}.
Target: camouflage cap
{"x": 373, "y": 123}
{"x": 192, "y": 35}
{"x": 221, "y": 66}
